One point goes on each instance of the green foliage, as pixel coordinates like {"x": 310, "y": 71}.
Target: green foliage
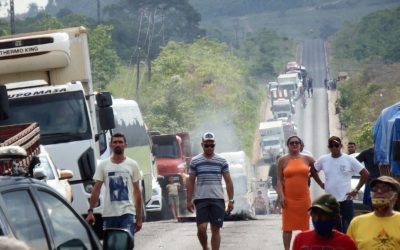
{"x": 375, "y": 37}
{"x": 363, "y": 97}
{"x": 104, "y": 60}
{"x": 193, "y": 81}
{"x": 4, "y": 29}
{"x": 149, "y": 24}
{"x": 362, "y": 135}
{"x": 263, "y": 50}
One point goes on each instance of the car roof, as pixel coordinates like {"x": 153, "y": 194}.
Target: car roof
{"x": 14, "y": 181}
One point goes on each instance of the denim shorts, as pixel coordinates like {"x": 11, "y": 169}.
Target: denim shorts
{"x": 210, "y": 210}
{"x": 126, "y": 221}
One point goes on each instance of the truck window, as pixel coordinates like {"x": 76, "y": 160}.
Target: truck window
{"x": 167, "y": 151}
{"x": 62, "y": 117}
{"x": 66, "y": 225}
{"x": 23, "y": 215}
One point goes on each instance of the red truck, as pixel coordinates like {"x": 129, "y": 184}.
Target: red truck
{"x": 172, "y": 154}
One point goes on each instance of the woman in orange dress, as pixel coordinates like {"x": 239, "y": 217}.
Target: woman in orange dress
{"x": 293, "y": 173}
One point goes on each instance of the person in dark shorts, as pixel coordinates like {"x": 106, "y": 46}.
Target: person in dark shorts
{"x": 274, "y": 180}
{"x": 205, "y": 183}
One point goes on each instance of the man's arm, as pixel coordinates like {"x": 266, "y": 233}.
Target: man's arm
{"x": 190, "y": 190}
{"x": 315, "y": 176}
{"x": 137, "y": 196}
{"x": 229, "y": 189}
{"x": 94, "y": 198}
{"x": 364, "y": 177}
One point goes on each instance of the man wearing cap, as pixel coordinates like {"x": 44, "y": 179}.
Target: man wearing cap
{"x": 379, "y": 229}
{"x": 205, "y": 181}
{"x": 324, "y": 213}
{"x": 338, "y": 169}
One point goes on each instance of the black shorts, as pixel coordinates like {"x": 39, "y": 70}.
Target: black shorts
{"x": 210, "y": 210}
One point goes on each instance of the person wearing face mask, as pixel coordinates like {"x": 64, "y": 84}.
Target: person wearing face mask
{"x": 324, "y": 213}
{"x": 379, "y": 229}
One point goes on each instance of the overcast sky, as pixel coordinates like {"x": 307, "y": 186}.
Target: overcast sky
{"x": 21, "y": 6}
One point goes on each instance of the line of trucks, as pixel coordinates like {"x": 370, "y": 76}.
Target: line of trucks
{"x": 45, "y": 78}
{"x": 282, "y": 94}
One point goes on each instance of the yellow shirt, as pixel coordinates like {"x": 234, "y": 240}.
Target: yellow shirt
{"x": 376, "y": 233}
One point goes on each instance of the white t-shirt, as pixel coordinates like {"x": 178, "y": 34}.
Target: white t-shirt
{"x": 118, "y": 180}
{"x": 338, "y": 173}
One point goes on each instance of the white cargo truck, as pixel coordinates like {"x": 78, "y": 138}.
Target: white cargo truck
{"x": 291, "y": 82}
{"x": 271, "y": 140}
{"x": 48, "y": 79}
{"x": 282, "y": 109}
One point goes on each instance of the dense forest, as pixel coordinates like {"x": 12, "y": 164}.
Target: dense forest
{"x": 199, "y": 59}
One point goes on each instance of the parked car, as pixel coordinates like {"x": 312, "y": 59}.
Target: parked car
{"x": 35, "y": 213}
{"x": 54, "y": 177}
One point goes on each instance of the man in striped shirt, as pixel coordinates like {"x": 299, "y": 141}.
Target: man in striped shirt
{"x": 205, "y": 182}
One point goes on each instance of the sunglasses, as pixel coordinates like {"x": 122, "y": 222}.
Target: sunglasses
{"x": 209, "y": 145}
{"x": 333, "y": 145}
{"x": 382, "y": 188}
{"x": 294, "y": 143}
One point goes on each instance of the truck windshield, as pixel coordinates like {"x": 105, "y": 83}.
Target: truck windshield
{"x": 270, "y": 143}
{"x": 281, "y": 107}
{"x": 167, "y": 150}
{"x": 61, "y": 117}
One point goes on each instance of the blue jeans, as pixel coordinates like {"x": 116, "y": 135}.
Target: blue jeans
{"x": 126, "y": 221}
{"x": 346, "y": 213}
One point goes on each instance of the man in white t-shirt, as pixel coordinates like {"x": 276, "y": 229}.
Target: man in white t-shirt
{"x": 123, "y": 199}
{"x": 338, "y": 169}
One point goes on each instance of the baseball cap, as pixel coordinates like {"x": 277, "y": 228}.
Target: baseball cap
{"x": 334, "y": 139}
{"x": 327, "y": 203}
{"x": 208, "y": 136}
{"x": 388, "y": 180}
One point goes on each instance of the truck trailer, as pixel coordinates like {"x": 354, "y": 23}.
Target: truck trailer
{"x": 48, "y": 79}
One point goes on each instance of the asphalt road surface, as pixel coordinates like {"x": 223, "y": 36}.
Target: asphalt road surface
{"x": 265, "y": 231}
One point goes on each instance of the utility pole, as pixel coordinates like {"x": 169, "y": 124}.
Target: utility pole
{"x": 12, "y": 17}
{"x": 98, "y": 12}
{"x": 137, "y": 75}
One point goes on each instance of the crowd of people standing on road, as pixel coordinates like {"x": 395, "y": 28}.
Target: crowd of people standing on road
{"x": 331, "y": 214}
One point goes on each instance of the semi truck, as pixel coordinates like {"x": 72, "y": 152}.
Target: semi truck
{"x": 48, "y": 79}
{"x": 282, "y": 109}
{"x": 291, "y": 81}
{"x": 173, "y": 154}
{"x": 272, "y": 141}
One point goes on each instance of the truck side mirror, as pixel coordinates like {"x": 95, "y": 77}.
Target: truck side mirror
{"x": 4, "y": 104}
{"x": 105, "y": 111}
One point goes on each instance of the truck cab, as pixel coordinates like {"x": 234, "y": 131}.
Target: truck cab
{"x": 48, "y": 78}
{"x": 282, "y": 109}
{"x": 271, "y": 140}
